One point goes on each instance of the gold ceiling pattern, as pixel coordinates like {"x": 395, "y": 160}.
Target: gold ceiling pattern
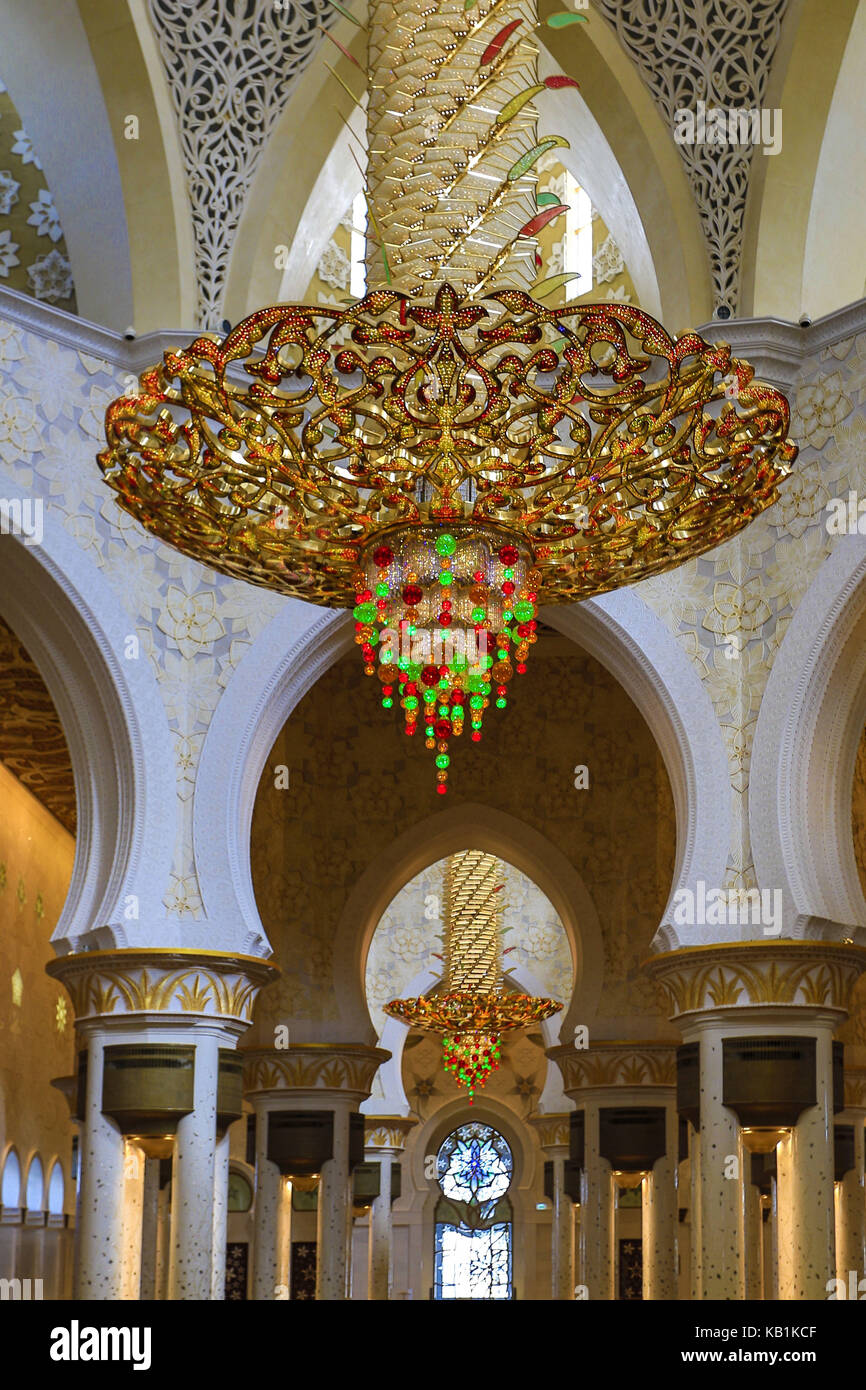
{"x": 32, "y": 745}
{"x": 33, "y": 255}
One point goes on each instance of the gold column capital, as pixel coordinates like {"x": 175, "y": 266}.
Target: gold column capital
{"x": 748, "y": 974}
{"x": 615, "y": 1064}
{"x": 173, "y": 981}
{"x": 387, "y": 1131}
{"x": 552, "y": 1129}
{"x": 319, "y": 1067}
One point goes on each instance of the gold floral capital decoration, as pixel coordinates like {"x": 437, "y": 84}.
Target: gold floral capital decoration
{"x": 744, "y": 974}
{"x": 346, "y": 1067}
{"x": 388, "y": 1131}
{"x": 552, "y": 1129}
{"x": 134, "y": 981}
{"x": 606, "y": 1064}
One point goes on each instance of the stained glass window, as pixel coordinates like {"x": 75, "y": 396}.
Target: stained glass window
{"x": 473, "y": 1215}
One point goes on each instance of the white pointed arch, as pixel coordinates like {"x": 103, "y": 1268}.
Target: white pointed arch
{"x": 115, "y": 726}
{"x": 805, "y": 746}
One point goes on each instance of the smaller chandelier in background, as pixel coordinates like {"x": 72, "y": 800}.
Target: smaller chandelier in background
{"x": 474, "y": 1011}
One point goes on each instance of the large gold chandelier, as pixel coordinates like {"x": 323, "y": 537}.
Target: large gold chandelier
{"x": 475, "y": 1010}
{"x": 448, "y": 452}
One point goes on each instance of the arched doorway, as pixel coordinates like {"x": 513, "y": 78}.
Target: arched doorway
{"x": 474, "y": 1216}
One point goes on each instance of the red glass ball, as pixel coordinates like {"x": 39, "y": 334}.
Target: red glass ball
{"x": 430, "y": 675}
{"x": 509, "y": 554}
{"x": 523, "y": 629}
{"x": 445, "y": 619}
{"x": 441, "y": 789}
{"x": 383, "y": 555}
{"x": 412, "y": 594}
{"x": 508, "y": 587}
{"x": 443, "y": 728}
{"x": 476, "y": 737}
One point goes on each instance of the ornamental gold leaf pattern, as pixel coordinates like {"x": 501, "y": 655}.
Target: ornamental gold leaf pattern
{"x": 791, "y": 973}
{"x": 610, "y": 449}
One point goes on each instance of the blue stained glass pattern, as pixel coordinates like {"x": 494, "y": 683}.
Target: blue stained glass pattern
{"x": 473, "y": 1243}
{"x": 475, "y": 1165}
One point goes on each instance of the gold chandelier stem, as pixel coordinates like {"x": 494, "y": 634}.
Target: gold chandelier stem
{"x": 431, "y": 123}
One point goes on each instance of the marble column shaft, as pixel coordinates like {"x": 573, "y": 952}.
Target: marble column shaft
{"x": 659, "y": 1217}
{"x": 334, "y": 1216}
{"x": 805, "y": 1162}
{"x": 193, "y": 1182}
{"x": 99, "y": 1270}
{"x": 379, "y": 1270}
{"x": 267, "y": 1202}
{"x": 597, "y": 1262}
{"x": 562, "y": 1234}
{"x": 851, "y": 1209}
{"x": 150, "y": 1230}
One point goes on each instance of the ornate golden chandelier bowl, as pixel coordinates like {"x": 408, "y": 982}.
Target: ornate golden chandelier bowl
{"x": 472, "y": 1012}
{"x": 586, "y": 436}
{"x": 472, "y": 1024}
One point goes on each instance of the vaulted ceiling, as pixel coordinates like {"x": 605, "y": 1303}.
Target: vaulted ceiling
{"x": 187, "y": 143}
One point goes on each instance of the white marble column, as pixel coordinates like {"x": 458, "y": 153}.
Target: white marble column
{"x": 99, "y": 1268}
{"x": 267, "y": 1202}
{"x": 562, "y": 1234}
{"x": 133, "y": 1213}
{"x": 771, "y": 1246}
{"x": 696, "y": 1247}
{"x": 380, "y": 1255}
{"x": 659, "y": 1215}
{"x": 150, "y": 1230}
{"x": 807, "y": 1217}
{"x": 385, "y": 1137}
{"x": 193, "y": 1228}
{"x": 753, "y": 1228}
{"x": 597, "y": 1230}
{"x": 335, "y": 1216}
{"x": 220, "y": 1217}
{"x": 851, "y": 1207}
{"x": 722, "y": 1262}
{"x": 284, "y": 1236}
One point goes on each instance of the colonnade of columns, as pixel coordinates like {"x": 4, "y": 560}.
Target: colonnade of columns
{"x": 745, "y": 1141}
{"x": 308, "y": 1128}
{"x": 159, "y": 1024}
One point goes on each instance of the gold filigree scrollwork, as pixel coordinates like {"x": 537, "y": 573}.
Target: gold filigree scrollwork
{"x": 610, "y": 449}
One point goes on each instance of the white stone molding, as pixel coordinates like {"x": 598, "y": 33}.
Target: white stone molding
{"x": 808, "y": 728}
{"x": 114, "y": 722}
{"x": 285, "y": 661}
{"x": 622, "y": 632}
